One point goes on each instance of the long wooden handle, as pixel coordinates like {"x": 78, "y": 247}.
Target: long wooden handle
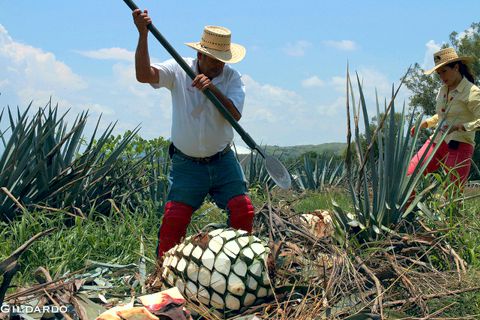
{"x": 220, "y": 107}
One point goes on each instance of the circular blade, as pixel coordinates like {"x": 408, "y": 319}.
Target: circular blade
{"x": 278, "y": 172}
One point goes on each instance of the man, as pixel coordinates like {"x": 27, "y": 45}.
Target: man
{"x": 202, "y": 161}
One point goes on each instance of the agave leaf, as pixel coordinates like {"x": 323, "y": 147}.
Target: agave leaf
{"x": 342, "y": 217}
{"x": 353, "y": 223}
{"x": 380, "y": 188}
{"x": 41, "y": 162}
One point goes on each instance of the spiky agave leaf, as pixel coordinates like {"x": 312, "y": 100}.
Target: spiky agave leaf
{"x": 40, "y": 162}
{"x": 319, "y": 173}
{"x": 380, "y": 189}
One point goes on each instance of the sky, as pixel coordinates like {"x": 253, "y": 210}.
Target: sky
{"x": 81, "y": 55}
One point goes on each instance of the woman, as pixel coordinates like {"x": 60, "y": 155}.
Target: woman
{"x": 458, "y": 104}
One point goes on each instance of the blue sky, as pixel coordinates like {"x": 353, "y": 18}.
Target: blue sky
{"x": 81, "y": 54}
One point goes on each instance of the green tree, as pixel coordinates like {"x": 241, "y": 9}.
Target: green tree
{"x": 468, "y": 44}
{"x": 424, "y": 88}
{"x": 424, "y": 91}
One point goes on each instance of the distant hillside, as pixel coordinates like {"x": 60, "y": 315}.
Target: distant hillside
{"x": 292, "y": 152}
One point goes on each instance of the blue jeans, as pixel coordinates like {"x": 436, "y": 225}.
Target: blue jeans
{"x": 191, "y": 181}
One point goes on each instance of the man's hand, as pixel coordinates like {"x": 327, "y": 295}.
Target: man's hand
{"x": 423, "y": 125}
{"x": 201, "y": 82}
{"x": 141, "y": 20}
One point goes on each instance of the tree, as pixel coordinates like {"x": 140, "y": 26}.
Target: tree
{"x": 424, "y": 88}
{"x": 424, "y": 91}
{"x": 468, "y": 44}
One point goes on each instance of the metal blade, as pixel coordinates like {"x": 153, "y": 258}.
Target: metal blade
{"x": 278, "y": 172}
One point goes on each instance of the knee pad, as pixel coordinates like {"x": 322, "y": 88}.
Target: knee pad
{"x": 241, "y": 213}
{"x": 176, "y": 219}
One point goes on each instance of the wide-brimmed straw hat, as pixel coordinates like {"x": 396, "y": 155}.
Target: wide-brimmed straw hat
{"x": 446, "y": 56}
{"x": 216, "y": 43}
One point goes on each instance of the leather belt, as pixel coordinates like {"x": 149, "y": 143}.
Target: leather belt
{"x": 174, "y": 150}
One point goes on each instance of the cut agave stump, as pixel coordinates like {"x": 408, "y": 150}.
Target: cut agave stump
{"x": 225, "y": 270}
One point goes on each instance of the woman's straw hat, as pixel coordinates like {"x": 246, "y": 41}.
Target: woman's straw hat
{"x": 216, "y": 44}
{"x": 446, "y": 56}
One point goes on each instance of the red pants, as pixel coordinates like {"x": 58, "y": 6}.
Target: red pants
{"x": 177, "y": 216}
{"x": 457, "y": 160}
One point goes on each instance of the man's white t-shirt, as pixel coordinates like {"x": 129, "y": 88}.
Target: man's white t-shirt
{"x": 198, "y": 128}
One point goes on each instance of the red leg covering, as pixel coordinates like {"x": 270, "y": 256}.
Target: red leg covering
{"x": 241, "y": 213}
{"x": 176, "y": 219}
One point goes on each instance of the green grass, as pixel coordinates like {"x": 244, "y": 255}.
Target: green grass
{"x": 112, "y": 239}
{"x": 116, "y": 239}
{"x": 465, "y": 233}
{"x": 313, "y": 201}
{"x": 461, "y": 221}
{"x": 464, "y": 305}
{"x": 461, "y": 306}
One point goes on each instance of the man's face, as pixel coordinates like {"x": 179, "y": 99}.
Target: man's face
{"x": 209, "y": 66}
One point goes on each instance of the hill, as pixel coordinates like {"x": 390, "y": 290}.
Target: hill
{"x": 293, "y": 152}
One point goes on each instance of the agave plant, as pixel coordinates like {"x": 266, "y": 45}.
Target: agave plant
{"x": 141, "y": 172}
{"x": 225, "y": 270}
{"x": 319, "y": 173}
{"x": 157, "y": 179}
{"x": 44, "y": 162}
{"x": 256, "y": 171}
{"x": 382, "y": 193}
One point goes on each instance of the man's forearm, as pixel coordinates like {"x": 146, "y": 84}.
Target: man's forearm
{"x": 226, "y": 102}
{"x": 143, "y": 70}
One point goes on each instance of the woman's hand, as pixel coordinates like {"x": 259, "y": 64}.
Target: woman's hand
{"x": 456, "y": 127}
{"x": 423, "y": 125}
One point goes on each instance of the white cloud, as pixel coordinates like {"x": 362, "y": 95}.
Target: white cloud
{"x": 466, "y": 34}
{"x": 33, "y": 73}
{"x": 264, "y": 101}
{"x": 344, "y": 45}
{"x": 272, "y": 114}
{"x": 370, "y": 79}
{"x": 147, "y": 102}
{"x": 4, "y": 83}
{"x": 339, "y": 83}
{"x": 373, "y": 83}
{"x": 334, "y": 108}
{"x": 110, "y": 54}
{"x": 278, "y": 116}
{"x": 312, "y": 82}
{"x": 100, "y": 109}
{"x": 431, "y": 48}
{"x": 297, "y": 49}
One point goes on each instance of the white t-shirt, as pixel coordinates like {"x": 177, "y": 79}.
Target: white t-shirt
{"x": 198, "y": 128}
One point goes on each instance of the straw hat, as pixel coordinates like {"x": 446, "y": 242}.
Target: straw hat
{"x": 446, "y": 56}
{"x": 216, "y": 44}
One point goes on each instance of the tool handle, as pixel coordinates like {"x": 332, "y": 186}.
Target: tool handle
{"x": 220, "y": 107}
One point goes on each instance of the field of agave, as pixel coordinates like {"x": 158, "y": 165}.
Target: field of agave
{"x": 355, "y": 238}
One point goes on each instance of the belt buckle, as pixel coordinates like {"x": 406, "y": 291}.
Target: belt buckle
{"x": 205, "y": 160}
